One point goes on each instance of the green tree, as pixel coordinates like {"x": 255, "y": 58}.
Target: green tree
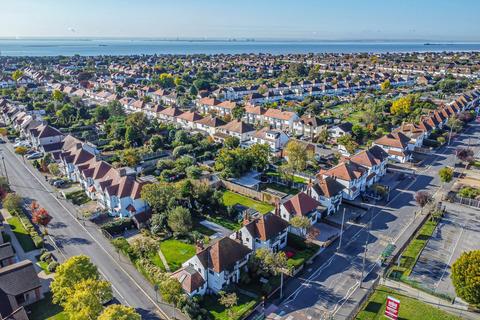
{"x": 68, "y": 274}
{"x": 446, "y": 174}
{"x": 101, "y": 113}
{"x": 171, "y": 291}
{"x": 228, "y": 300}
{"x": 156, "y": 142}
{"x": 348, "y": 142}
{"x": 454, "y": 123}
{"x": 323, "y": 136}
{"x": 466, "y": 277}
{"x": 297, "y": 154}
{"x": 300, "y": 222}
{"x": 119, "y": 312}
{"x": 231, "y": 142}
{"x": 238, "y": 112}
{"x": 12, "y": 203}
{"x": 57, "y": 96}
{"x": 271, "y": 262}
{"x": 159, "y": 196}
{"x": 54, "y": 169}
{"x": 85, "y": 301}
{"x": 130, "y": 157}
{"x": 259, "y": 155}
{"x": 16, "y": 75}
{"x": 166, "y": 80}
{"x": 180, "y": 220}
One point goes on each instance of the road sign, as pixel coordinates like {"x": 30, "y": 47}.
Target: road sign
{"x": 391, "y": 310}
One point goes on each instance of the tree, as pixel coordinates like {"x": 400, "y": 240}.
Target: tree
{"x": 466, "y": 277}
{"x": 69, "y": 273}
{"x": 193, "y": 172}
{"x": 85, "y": 301}
{"x": 297, "y": 154}
{"x": 446, "y": 174}
{"x": 228, "y": 300}
{"x": 180, "y": 220}
{"x": 41, "y": 217}
{"x": 323, "y": 136}
{"x": 422, "y": 198}
{"x": 119, "y": 312}
{"x": 454, "y": 123}
{"x": 465, "y": 155}
{"x": 130, "y": 157}
{"x": 259, "y": 155}
{"x": 156, "y": 142}
{"x": 402, "y": 106}
{"x": 238, "y": 112}
{"x": 54, "y": 169}
{"x": 16, "y": 75}
{"x": 301, "y": 222}
{"x": 386, "y": 85}
{"x": 101, "y": 113}
{"x": 12, "y": 203}
{"x": 348, "y": 142}
{"x": 271, "y": 262}
{"x": 159, "y": 196}
{"x": 171, "y": 291}
{"x": 3, "y": 132}
{"x": 231, "y": 142}
{"x": 21, "y": 150}
{"x": 166, "y": 80}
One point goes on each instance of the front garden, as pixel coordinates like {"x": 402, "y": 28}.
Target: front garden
{"x": 176, "y": 252}
{"x": 298, "y": 251}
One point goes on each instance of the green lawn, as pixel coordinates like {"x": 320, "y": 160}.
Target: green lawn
{"x": 412, "y": 251}
{"x": 226, "y": 223}
{"x": 295, "y": 178}
{"x": 218, "y": 312}
{"x": 410, "y": 309}
{"x": 281, "y": 188}
{"x": 155, "y": 258}
{"x": 232, "y": 198}
{"x": 176, "y": 252}
{"x": 22, "y": 234}
{"x": 46, "y": 310}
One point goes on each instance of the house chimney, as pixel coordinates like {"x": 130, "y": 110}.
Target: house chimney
{"x": 199, "y": 246}
{"x": 309, "y": 187}
{"x": 277, "y": 207}
{"x": 246, "y": 218}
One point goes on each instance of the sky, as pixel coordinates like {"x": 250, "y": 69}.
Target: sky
{"x": 442, "y": 20}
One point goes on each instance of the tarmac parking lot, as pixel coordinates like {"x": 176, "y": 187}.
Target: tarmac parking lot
{"x": 457, "y": 232}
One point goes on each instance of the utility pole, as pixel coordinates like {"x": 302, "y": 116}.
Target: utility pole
{"x": 341, "y": 231}
{"x": 450, "y": 135}
{"x": 5, "y": 169}
{"x": 365, "y": 253}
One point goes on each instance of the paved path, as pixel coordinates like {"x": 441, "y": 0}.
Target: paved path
{"x": 219, "y": 230}
{"x": 72, "y": 237}
{"x": 164, "y": 261}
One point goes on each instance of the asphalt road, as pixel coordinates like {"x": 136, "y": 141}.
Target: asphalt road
{"x": 71, "y": 237}
{"x": 327, "y": 285}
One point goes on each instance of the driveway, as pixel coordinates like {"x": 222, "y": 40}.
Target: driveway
{"x": 220, "y": 231}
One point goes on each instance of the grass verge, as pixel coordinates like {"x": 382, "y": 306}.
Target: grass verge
{"x": 21, "y": 234}
{"x": 409, "y": 308}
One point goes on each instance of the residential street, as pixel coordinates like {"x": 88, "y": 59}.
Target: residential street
{"x": 72, "y": 237}
{"x": 325, "y": 288}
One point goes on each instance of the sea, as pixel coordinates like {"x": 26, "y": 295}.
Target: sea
{"x": 95, "y": 47}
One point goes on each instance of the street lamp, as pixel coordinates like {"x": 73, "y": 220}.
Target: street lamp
{"x": 155, "y": 287}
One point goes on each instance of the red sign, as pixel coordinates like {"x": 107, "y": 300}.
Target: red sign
{"x": 391, "y": 310}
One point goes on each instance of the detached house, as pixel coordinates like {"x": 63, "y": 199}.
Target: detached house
{"x": 304, "y": 205}
{"x": 351, "y": 175}
{"x": 276, "y": 139}
{"x": 416, "y": 134}
{"x": 219, "y": 264}
{"x": 329, "y": 192}
{"x": 396, "y": 145}
{"x": 268, "y": 231}
{"x": 43, "y": 135}
{"x": 375, "y": 160}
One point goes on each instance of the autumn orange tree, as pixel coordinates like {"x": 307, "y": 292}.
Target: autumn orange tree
{"x": 41, "y": 217}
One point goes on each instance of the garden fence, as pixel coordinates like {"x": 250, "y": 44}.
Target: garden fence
{"x": 467, "y": 201}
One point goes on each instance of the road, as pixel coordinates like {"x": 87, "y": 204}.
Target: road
{"x": 328, "y": 284}
{"x": 71, "y": 237}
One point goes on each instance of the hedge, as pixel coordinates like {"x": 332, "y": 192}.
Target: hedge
{"x": 117, "y": 226}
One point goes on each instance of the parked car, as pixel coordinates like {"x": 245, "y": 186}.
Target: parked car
{"x": 2, "y": 141}
{"x": 22, "y": 144}
{"x": 58, "y": 183}
{"x": 36, "y": 155}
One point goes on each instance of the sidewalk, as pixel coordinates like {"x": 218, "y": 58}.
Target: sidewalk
{"x": 458, "y": 308}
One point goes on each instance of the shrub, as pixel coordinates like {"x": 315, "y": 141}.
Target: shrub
{"x": 42, "y": 251}
{"x": 118, "y": 226}
{"x": 45, "y": 256}
{"x": 469, "y": 192}
{"x": 52, "y": 266}
{"x": 37, "y": 241}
